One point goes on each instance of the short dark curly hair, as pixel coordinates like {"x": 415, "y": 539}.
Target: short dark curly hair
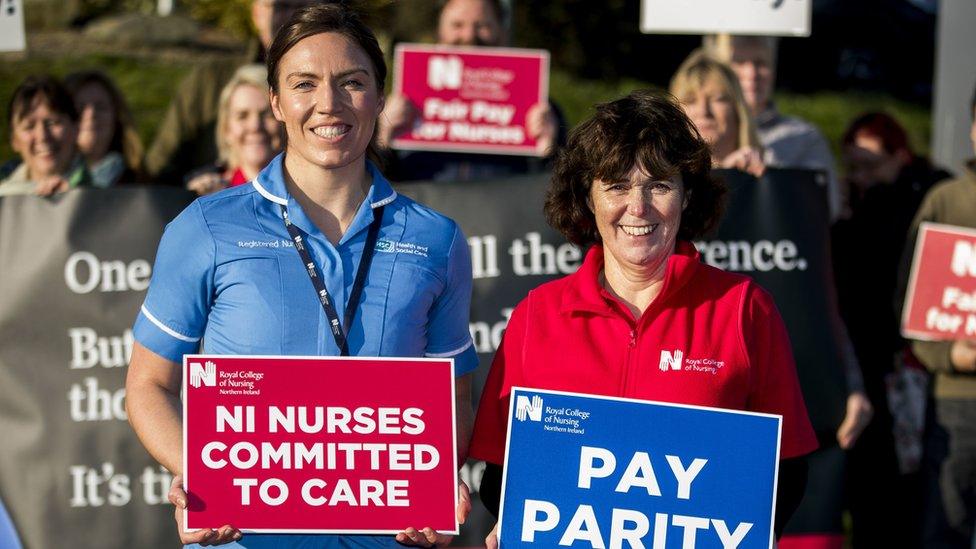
{"x": 646, "y": 128}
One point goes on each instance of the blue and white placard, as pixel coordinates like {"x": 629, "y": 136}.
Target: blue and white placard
{"x": 599, "y": 472}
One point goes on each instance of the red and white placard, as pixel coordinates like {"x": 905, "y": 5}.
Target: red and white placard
{"x": 940, "y": 303}
{"x": 470, "y": 99}
{"x": 319, "y": 445}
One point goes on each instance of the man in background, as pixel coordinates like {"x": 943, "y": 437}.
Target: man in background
{"x": 949, "y": 462}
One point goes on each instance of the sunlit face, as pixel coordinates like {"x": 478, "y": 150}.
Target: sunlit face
{"x": 270, "y": 15}
{"x": 45, "y": 140}
{"x": 328, "y": 101}
{"x": 638, "y": 218}
{"x": 251, "y": 132}
{"x": 96, "y": 126}
{"x": 712, "y": 109}
{"x": 868, "y": 163}
{"x": 753, "y": 64}
{"x": 469, "y": 23}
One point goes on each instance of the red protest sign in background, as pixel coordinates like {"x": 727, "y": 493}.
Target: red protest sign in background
{"x": 471, "y": 99}
{"x": 941, "y": 300}
{"x": 319, "y": 445}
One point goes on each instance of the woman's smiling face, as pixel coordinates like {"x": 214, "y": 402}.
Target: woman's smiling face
{"x": 45, "y": 139}
{"x": 638, "y": 218}
{"x": 328, "y": 100}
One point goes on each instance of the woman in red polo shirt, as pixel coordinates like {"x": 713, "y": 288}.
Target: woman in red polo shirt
{"x": 633, "y": 184}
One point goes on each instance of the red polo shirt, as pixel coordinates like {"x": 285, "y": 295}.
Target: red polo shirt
{"x": 710, "y": 338}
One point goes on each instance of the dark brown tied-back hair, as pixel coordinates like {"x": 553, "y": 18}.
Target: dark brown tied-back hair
{"x": 647, "y": 129}
{"x": 125, "y": 139}
{"x": 323, "y": 18}
{"x": 41, "y": 87}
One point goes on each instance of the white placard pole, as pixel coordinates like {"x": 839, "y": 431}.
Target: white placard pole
{"x": 12, "y": 25}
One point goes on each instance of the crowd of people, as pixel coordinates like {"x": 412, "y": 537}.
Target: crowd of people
{"x": 632, "y": 184}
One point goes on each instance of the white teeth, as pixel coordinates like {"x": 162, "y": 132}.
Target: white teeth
{"x": 638, "y": 231}
{"x": 331, "y": 132}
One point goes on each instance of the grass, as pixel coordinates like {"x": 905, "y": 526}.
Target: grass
{"x": 833, "y": 111}
{"x": 149, "y": 84}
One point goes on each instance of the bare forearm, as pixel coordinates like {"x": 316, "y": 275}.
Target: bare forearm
{"x": 153, "y": 414}
{"x": 153, "y": 405}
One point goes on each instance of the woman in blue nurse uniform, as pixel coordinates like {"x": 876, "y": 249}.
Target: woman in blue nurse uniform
{"x": 230, "y": 272}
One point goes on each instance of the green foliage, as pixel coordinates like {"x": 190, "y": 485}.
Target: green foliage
{"x": 90, "y": 9}
{"x": 577, "y": 96}
{"x": 147, "y": 85}
{"x": 833, "y": 111}
{"x": 233, "y": 16}
{"x": 830, "y": 111}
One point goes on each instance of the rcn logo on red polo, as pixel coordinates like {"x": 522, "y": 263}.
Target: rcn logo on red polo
{"x": 671, "y": 360}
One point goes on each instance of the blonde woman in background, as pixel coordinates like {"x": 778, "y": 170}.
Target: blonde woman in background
{"x": 247, "y": 134}
{"x": 711, "y": 97}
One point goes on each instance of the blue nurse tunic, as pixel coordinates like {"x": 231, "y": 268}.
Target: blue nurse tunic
{"x": 227, "y": 274}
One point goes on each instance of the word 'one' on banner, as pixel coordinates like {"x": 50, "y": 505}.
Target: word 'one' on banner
{"x": 941, "y": 299}
{"x": 577, "y": 474}
{"x": 471, "y": 99}
{"x": 286, "y": 444}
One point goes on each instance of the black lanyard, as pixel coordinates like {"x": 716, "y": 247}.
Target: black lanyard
{"x": 357, "y": 287}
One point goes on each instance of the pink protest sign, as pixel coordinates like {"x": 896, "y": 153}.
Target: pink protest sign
{"x": 940, "y": 303}
{"x": 319, "y": 445}
{"x": 471, "y": 99}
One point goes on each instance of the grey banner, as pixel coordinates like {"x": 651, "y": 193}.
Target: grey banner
{"x": 73, "y": 273}
{"x": 775, "y": 229}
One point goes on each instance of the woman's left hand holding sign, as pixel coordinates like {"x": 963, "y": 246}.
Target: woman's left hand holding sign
{"x": 428, "y": 537}
{"x": 203, "y": 536}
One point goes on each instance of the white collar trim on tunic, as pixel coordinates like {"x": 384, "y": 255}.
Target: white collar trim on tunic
{"x": 264, "y": 192}
{"x": 284, "y": 201}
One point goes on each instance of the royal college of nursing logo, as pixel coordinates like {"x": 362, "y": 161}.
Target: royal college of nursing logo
{"x": 676, "y": 361}
{"x": 671, "y": 361}
{"x": 201, "y": 374}
{"x": 528, "y": 409}
{"x": 444, "y": 72}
